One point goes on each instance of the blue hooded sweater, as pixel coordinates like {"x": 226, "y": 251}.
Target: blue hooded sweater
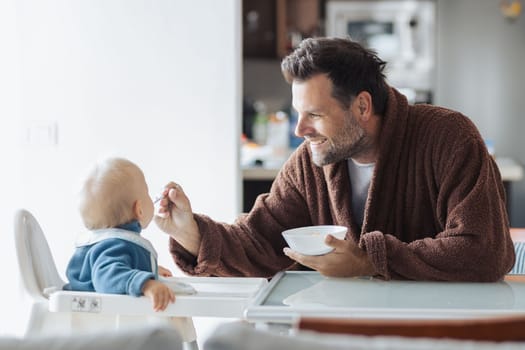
{"x": 113, "y": 265}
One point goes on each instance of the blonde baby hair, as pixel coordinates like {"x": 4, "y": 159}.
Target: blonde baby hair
{"x": 109, "y": 192}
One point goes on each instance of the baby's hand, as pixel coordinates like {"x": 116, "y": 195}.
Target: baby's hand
{"x": 160, "y": 294}
{"x": 164, "y": 272}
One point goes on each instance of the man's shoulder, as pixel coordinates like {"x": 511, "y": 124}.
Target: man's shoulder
{"x": 433, "y": 112}
{"x": 442, "y": 119}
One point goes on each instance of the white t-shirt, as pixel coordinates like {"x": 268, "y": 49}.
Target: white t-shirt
{"x": 360, "y": 176}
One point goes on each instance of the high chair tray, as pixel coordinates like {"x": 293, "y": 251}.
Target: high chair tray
{"x": 213, "y": 297}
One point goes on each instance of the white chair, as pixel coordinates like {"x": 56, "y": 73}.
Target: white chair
{"x": 139, "y": 338}
{"x": 88, "y": 311}
{"x": 518, "y": 238}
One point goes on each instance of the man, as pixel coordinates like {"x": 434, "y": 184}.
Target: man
{"x": 414, "y": 184}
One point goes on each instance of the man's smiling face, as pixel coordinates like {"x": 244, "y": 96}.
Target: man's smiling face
{"x": 333, "y": 132}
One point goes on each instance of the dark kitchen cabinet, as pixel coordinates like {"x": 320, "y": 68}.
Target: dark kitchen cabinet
{"x": 272, "y": 28}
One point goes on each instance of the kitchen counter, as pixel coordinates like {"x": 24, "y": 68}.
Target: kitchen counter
{"x": 510, "y": 171}
{"x": 258, "y": 179}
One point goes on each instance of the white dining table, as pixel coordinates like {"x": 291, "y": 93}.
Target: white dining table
{"x": 291, "y": 295}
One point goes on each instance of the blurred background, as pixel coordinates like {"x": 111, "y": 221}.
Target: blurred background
{"x": 192, "y": 92}
{"x": 465, "y": 54}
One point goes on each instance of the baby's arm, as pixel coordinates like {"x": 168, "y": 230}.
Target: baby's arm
{"x": 160, "y": 294}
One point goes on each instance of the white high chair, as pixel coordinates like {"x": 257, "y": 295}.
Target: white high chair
{"x": 76, "y": 311}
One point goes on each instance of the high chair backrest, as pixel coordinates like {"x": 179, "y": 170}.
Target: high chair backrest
{"x": 38, "y": 271}
{"x": 57, "y": 311}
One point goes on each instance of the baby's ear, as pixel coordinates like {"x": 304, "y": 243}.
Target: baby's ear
{"x": 137, "y": 209}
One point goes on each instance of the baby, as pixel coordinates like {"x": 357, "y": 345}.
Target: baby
{"x": 115, "y": 206}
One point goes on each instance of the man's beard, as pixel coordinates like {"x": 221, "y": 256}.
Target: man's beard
{"x": 350, "y": 142}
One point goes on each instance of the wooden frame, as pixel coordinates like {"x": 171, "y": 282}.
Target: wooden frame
{"x": 487, "y": 329}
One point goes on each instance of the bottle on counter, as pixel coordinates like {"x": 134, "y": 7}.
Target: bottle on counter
{"x": 278, "y": 133}
{"x": 260, "y": 123}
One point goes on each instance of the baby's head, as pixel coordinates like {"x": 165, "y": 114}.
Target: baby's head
{"x": 115, "y": 193}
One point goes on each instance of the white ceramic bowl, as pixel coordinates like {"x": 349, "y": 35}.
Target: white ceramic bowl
{"x": 309, "y": 240}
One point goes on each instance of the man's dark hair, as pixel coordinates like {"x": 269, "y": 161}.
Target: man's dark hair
{"x": 351, "y": 68}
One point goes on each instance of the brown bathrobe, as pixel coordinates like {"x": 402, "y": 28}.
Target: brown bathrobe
{"x": 435, "y": 209}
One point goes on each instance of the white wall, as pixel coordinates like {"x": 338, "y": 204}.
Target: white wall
{"x": 480, "y": 73}
{"x": 156, "y": 81}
